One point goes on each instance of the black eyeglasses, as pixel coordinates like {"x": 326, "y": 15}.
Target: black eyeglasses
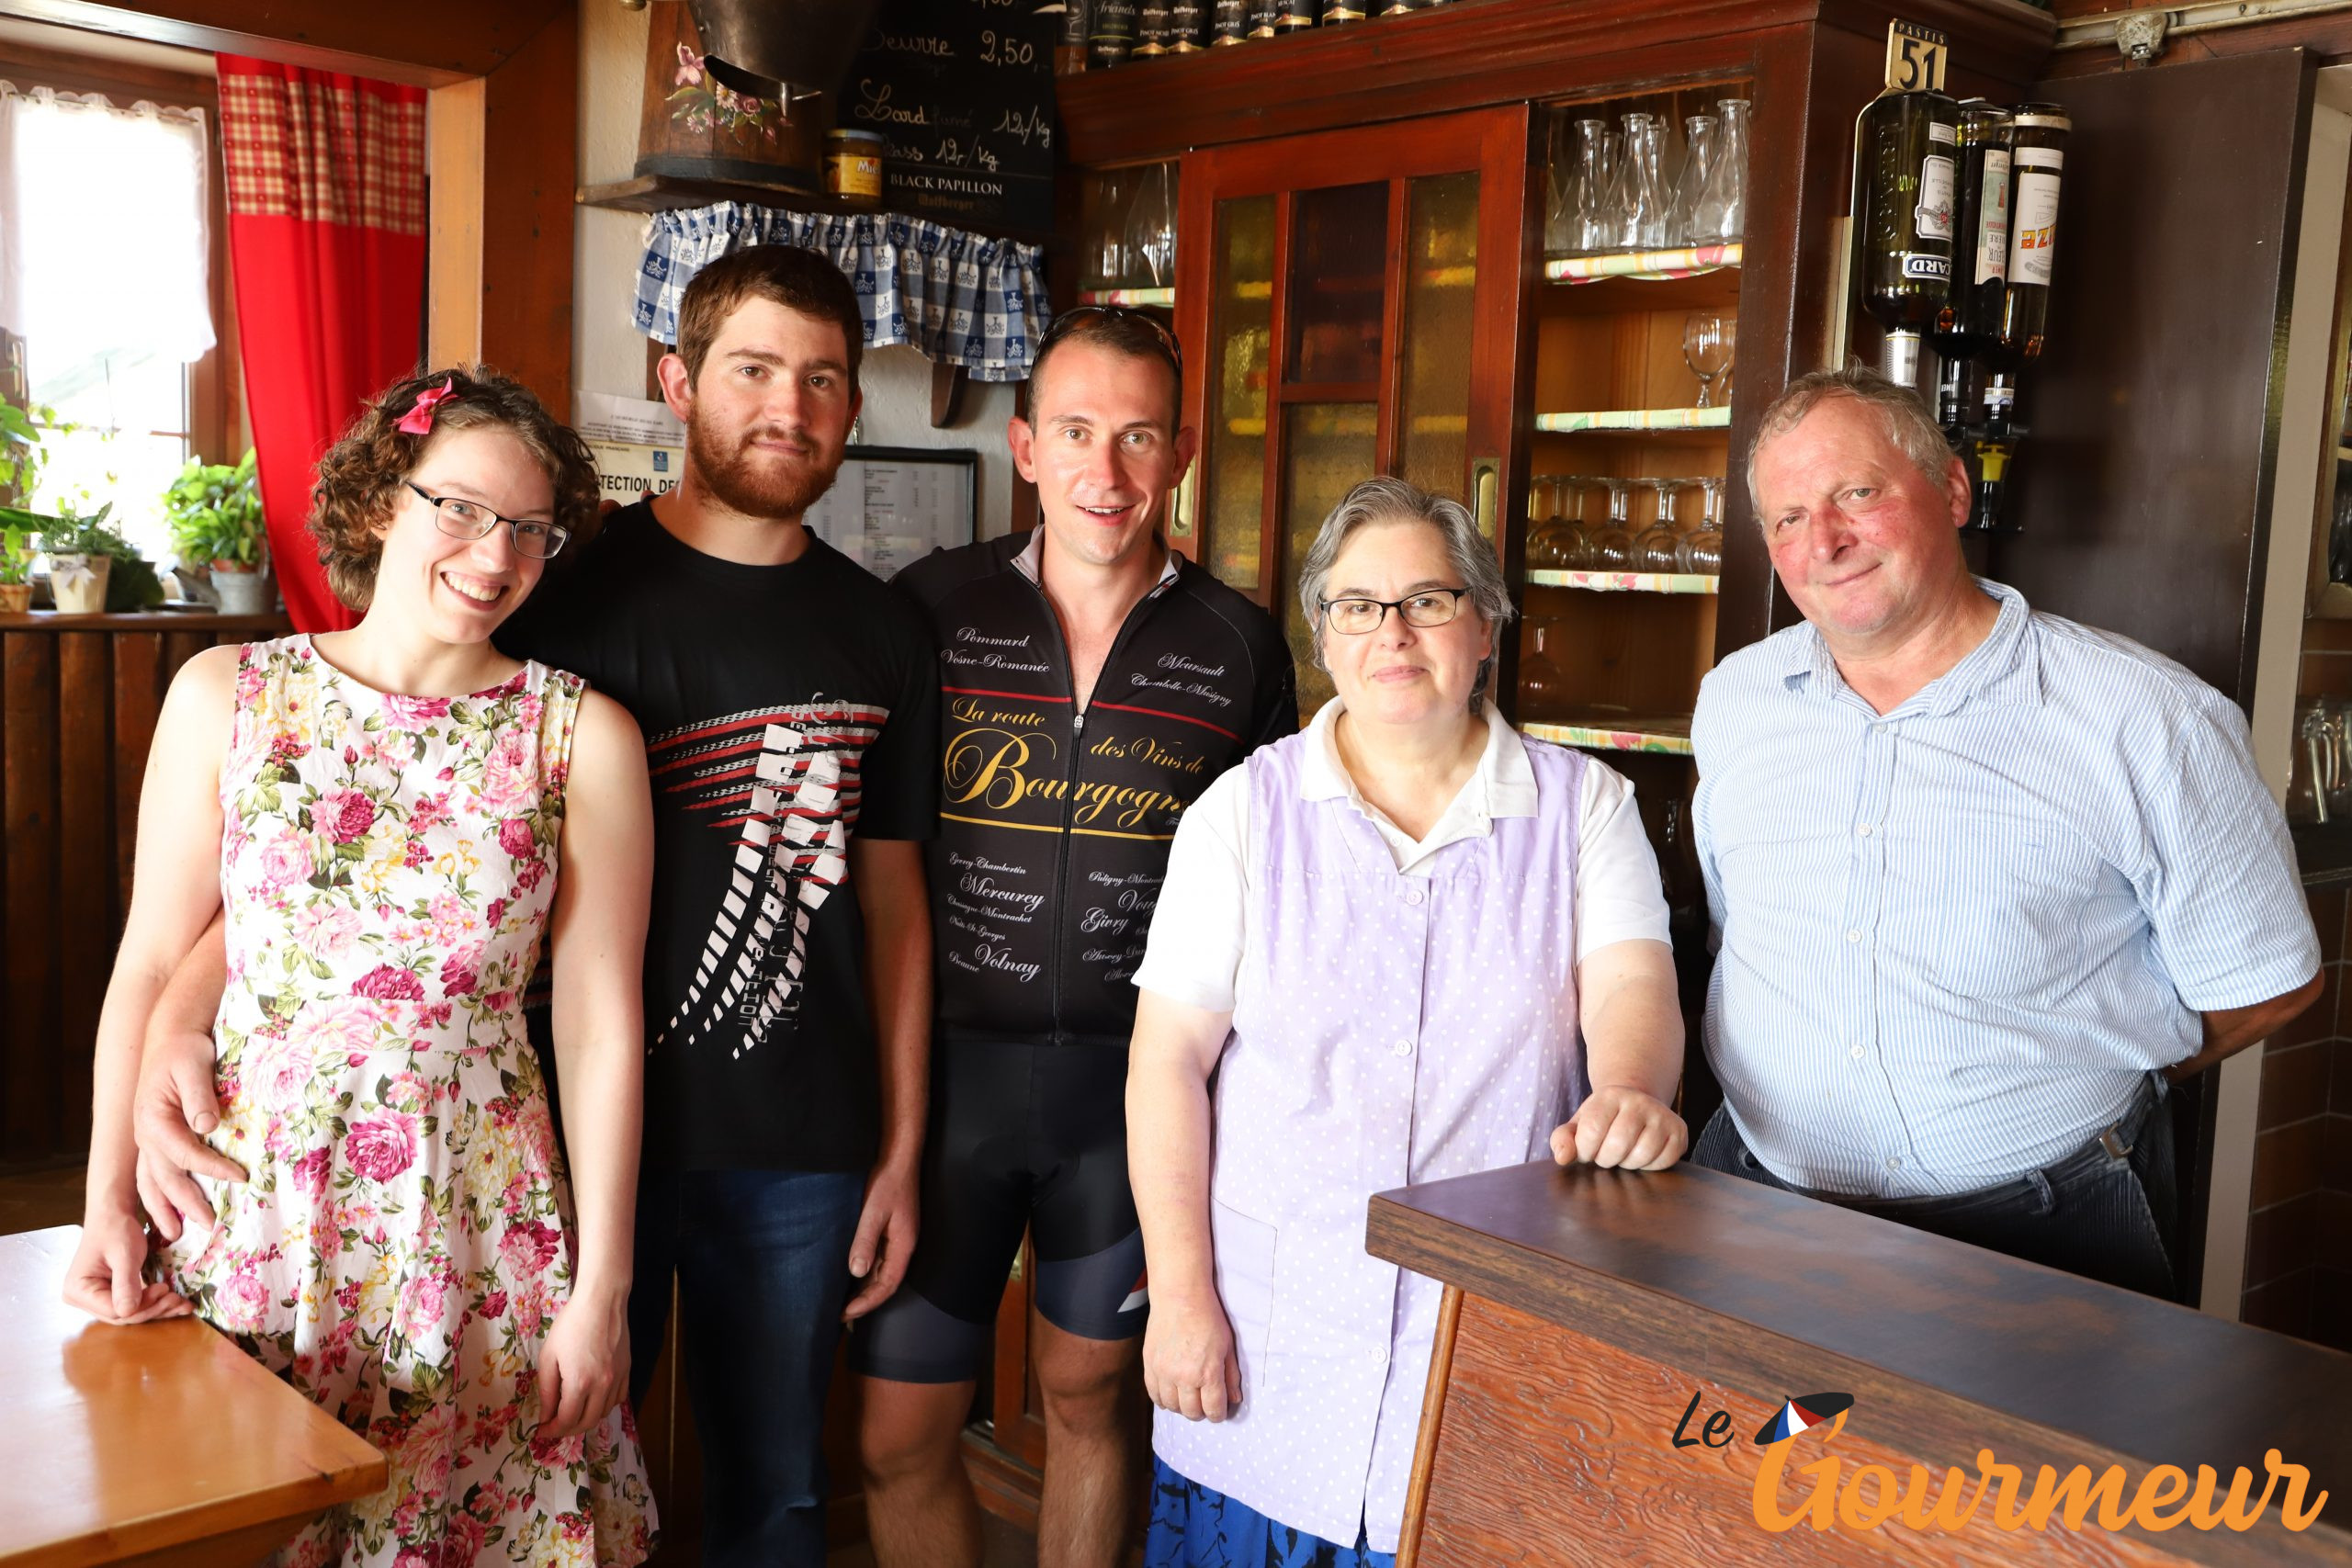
{"x": 1071, "y": 320}
{"x": 462, "y": 519}
{"x": 1430, "y": 607}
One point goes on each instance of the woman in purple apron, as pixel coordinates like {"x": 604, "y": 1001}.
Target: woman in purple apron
{"x": 1408, "y": 943}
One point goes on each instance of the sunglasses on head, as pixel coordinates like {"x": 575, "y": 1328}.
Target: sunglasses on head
{"x": 1072, "y": 320}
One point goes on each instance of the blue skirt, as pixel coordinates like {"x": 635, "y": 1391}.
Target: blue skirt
{"x": 1192, "y": 1526}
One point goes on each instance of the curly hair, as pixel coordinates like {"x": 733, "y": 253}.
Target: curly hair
{"x": 360, "y": 478}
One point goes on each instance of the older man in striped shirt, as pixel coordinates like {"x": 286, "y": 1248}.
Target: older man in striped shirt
{"x": 1981, "y": 879}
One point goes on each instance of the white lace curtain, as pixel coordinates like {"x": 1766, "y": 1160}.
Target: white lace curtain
{"x": 95, "y": 200}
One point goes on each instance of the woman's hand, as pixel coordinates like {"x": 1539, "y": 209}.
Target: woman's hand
{"x": 1623, "y": 1128}
{"x": 583, "y": 1365}
{"x": 108, "y": 1278}
{"x": 1189, "y": 1365}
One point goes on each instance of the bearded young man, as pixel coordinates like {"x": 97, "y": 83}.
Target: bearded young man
{"x": 790, "y": 711}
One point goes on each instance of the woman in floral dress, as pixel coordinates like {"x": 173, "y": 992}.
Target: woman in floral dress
{"x": 391, "y": 817}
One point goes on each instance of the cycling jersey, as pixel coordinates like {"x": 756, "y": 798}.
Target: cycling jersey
{"x": 1054, "y": 825}
{"x": 1054, "y": 837}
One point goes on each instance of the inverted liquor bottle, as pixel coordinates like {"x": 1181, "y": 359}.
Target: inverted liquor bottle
{"x": 1908, "y": 146}
{"x": 1969, "y": 321}
{"x": 2038, "y": 134}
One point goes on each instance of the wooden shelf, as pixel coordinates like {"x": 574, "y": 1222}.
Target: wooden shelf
{"x": 1668, "y": 735}
{"x": 1619, "y": 421}
{"x": 1164, "y": 298}
{"x": 1626, "y": 581}
{"x": 1646, "y": 267}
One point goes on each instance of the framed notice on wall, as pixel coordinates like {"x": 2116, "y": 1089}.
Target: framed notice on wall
{"x": 895, "y": 504}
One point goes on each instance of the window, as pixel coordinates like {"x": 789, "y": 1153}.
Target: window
{"x": 110, "y": 274}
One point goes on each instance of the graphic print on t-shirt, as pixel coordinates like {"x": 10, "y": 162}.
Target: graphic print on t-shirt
{"x": 784, "y": 783}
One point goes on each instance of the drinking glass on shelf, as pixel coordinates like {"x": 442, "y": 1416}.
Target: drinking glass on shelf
{"x": 1637, "y": 209}
{"x": 1703, "y": 551}
{"x": 1541, "y": 691}
{"x": 1151, "y": 227}
{"x": 1543, "y": 521}
{"x": 1575, "y": 532}
{"x": 1108, "y": 260}
{"x": 1613, "y": 542}
{"x": 1721, "y": 215}
{"x": 1596, "y": 172}
{"x": 1708, "y": 340}
{"x": 1561, "y": 188}
{"x": 1698, "y": 161}
{"x": 1659, "y": 546}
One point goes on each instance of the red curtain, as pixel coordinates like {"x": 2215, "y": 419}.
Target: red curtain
{"x": 326, "y": 248}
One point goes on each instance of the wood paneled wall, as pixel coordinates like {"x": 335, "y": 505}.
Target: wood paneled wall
{"x": 78, "y": 700}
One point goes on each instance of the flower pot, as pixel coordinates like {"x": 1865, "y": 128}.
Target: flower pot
{"x": 79, "y": 582}
{"x": 195, "y": 583}
{"x": 16, "y": 598}
{"x": 244, "y": 592}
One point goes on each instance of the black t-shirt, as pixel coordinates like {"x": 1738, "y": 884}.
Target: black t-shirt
{"x": 783, "y": 707}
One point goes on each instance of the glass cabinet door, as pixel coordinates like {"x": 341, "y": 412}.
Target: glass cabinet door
{"x": 1336, "y": 311}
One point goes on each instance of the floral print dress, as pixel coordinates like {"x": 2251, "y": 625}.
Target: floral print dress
{"x": 388, "y": 863}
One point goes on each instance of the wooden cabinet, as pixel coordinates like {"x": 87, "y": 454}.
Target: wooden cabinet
{"x": 1351, "y": 308}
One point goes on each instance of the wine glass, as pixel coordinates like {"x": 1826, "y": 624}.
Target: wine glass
{"x": 1703, "y": 551}
{"x": 1543, "y": 523}
{"x": 1151, "y": 227}
{"x": 1576, "y": 534}
{"x": 1613, "y": 542}
{"x": 1698, "y": 160}
{"x": 1541, "y": 691}
{"x": 1659, "y": 546}
{"x": 1708, "y": 340}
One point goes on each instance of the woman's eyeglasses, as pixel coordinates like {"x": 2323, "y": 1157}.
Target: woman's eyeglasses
{"x": 1429, "y": 607}
{"x": 462, "y": 519}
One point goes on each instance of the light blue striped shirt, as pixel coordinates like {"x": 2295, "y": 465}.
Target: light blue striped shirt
{"x": 1955, "y": 939}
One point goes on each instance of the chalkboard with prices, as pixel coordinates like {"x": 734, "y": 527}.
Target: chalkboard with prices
{"x": 962, "y": 93}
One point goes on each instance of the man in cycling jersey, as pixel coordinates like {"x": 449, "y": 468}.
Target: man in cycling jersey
{"x": 1092, "y": 682}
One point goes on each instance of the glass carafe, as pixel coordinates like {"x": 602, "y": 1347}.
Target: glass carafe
{"x": 1151, "y": 227}
{"x": 1721, "y": 215}
{"x": 1541, "y": 691}
{"x": 1703, "y": 551}
{"x": 1637, "y": 209}
{"x": 1698, "y": 161}
{"x": 1108, "y": 259}
{"x": 1659, "y": 546}
{"x": 1595, "y": 173}
{"x": 1613, "y": 542}
{"x": 1562, "y": 183}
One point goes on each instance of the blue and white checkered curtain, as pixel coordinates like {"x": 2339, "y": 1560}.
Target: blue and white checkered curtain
{"x": 961, "y": 298}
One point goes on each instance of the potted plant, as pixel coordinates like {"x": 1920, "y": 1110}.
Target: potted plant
{"x": 16, "y": 569}
{"x": 81, "y": 557}
{"x": 94, "y": 568}
{"x": 214, "y": 511}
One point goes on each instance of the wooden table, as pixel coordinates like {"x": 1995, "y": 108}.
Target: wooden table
{"x": 1592, "y": 1317}
{"x": 159, "y": 1444}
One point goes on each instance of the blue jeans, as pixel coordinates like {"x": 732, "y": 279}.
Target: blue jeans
{"x": 762, "y": 1261}
{"x": 2104, "y": 1212}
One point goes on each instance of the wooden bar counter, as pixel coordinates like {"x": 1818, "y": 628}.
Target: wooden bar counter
{"x": 1592, "y": 1318}
{"x": 159, "y": 1444}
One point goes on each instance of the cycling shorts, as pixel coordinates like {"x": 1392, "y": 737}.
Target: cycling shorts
{"x": 1022, "y": 1136}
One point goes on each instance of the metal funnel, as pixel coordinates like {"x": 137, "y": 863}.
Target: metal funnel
{"x": 808, "y": 43}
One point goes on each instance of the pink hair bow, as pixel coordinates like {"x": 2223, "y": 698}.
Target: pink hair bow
{"x": 418, "y": 420}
